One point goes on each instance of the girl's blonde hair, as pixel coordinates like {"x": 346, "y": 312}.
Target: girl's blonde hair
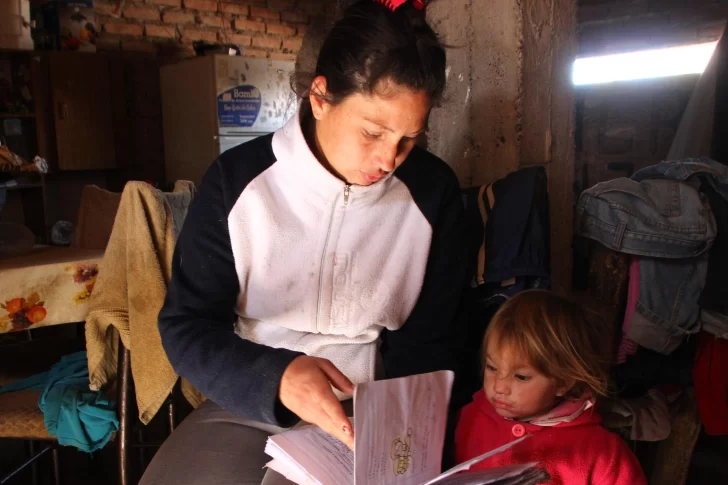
{"x": 556, "y": 338}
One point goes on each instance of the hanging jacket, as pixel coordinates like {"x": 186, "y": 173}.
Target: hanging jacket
{"x": 713, "y": 179}
{"x": 577, "y": 452}
{"x": 670, "y": 225}
{"x": 294, "y": 261}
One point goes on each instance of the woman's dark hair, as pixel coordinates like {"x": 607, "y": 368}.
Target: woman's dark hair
{"x": 370, "y": 44}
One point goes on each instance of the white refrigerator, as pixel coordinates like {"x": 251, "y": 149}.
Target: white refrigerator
{"x": 213, "y": 103}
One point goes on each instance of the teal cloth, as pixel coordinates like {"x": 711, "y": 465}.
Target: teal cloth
{"x": 72, "y": 412}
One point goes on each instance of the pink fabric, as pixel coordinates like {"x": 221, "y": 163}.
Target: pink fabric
{"x": 627, "y": 346}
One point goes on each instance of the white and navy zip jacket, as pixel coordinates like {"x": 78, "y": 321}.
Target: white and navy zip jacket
{"x": 282, "y": 253}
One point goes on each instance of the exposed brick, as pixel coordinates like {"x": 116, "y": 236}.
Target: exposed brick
{"x": 105, "y": 8}
{"x": 209, "y": 5}
{"x": 281, "y": 4}
{"x": 124, "y": 29}
{"x": 282, "y": 56}
{"x": 253, "y": 26}
{"x": 134, "y": 45}
{"x": 252, "y": 52}
{"x": 280, "y": 29}
{"x": 168, "y": 3}
{"x": 196, "y": 34}
{"x": 295, "y": 17}
{"x": 141, "y": 12}
{"x": 235, "y": 8}
{"x": 161, "y": 31}
{"x": 265, "y": 13}
{"x": 312, "y": 6}
{"x": 302, "y": 29}
{"x": 267, "y": 42}
{"x": 293, "y": 44}
{"x": 241, "y": 40}
{"x": 215, "y": 21}
{"x": 178, "y": 17}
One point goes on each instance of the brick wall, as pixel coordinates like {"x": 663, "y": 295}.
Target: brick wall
{"x": 261, "y": 28}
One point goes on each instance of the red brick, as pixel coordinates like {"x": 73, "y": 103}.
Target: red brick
{"x": 178, "y": 17}
{"x": 161, "y": 31}
{"x": 106, "y": 8}
{"x": 133, "y": 45}
{"x": 242, "y": 24}
{"x": 265, "y": 13}
{"x": 312, "y": 6}
{"x": 141, "y": 13}
{"x": 195, "y": 34}
{"x": 241, "y": 40}
{"x": 267, "y": 42}
{"x": 281, "y": 4}
{"x": 295, "y": 17}
{"x": 293, "y": 44}
{"x": 168, "y": 3}
{"x": 282, "y": 56}
{"x": 234, "y": 8}
{"x": 124, "y": 29}
{"x": 209, "y": 5}
{"x": 302, "y": 29}
{"x": 280, "y": 29}
{"x": 251, "y": 52}
{"x": 217, "y": 22}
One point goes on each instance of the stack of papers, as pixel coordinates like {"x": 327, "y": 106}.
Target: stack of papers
{"x": 399, "y": 436}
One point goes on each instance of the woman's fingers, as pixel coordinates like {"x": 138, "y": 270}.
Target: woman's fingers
{"x": 336, "y": 377}
{"x": 339, "y": 425}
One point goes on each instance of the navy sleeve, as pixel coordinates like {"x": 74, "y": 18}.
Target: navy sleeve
{"x": 430, "y": 339}
{"x": 197, "y": 320}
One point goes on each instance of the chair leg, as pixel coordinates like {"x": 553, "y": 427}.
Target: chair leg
{"x": 123, "y": 405}
{"x": 56, "y": 465}
{"x": 34, "y": 466}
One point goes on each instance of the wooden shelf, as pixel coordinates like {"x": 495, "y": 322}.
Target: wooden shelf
{"x": 17, "y": 115}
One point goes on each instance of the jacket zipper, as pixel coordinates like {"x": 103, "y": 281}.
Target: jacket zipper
{"x": 347, "y": 190}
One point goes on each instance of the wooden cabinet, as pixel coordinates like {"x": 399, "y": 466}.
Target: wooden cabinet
{"x": 74, "y": 110}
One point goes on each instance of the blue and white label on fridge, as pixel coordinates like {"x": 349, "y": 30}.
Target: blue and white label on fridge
{"x": 238, "y": 107}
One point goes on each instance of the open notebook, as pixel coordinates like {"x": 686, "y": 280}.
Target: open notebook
{"x": 399, "y": 436}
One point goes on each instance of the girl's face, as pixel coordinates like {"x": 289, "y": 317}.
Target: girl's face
{"x": 514, "y": 388}
{"x": 365, "y": 137}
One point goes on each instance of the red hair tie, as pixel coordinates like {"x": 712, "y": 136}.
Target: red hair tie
{"x": 395, "y": 4}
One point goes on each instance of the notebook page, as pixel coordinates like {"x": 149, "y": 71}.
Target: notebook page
{"x": 400, "y": 428}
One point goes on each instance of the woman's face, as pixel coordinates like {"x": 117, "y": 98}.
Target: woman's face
{"x": 363, "y": 138}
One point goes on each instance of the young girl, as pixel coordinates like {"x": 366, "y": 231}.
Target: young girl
{"x": 542, "y": 375}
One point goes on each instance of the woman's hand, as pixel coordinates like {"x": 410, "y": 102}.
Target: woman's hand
{"x": 306, "y": 390}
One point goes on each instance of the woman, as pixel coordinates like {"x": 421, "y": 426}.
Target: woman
{"x": 331, "y": 248}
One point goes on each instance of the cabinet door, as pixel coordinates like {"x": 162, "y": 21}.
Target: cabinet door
{"x": 82, "y": 110}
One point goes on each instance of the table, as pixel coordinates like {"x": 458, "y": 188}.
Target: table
{"x": 49, "y": 286}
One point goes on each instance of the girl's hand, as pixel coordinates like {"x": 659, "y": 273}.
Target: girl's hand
{"x": 306, "y": 390}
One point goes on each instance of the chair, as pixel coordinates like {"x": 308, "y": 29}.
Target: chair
{"x": 123, "y": 341}
{"x": 96, "y": 216}
{"x": 20, "y": 417}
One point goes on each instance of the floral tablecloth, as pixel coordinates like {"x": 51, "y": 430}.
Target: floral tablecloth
{"x": 48, "y": 286}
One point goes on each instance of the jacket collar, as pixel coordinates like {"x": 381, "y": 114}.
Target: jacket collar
{"x": 292, "y": 151}
{"x": 569, "y": 413}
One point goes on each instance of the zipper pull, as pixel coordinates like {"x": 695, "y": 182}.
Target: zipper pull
{"x": 347, "y": 189}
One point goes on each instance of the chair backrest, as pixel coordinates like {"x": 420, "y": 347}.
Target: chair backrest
{"x": 95, "y": 217}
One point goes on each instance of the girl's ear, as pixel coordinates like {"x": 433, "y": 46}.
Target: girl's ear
{"x": 565, "y": 387}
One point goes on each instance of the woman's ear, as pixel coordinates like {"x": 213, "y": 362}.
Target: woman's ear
{"x": 564, "y": 387}
{"x": 317, "y": 95}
